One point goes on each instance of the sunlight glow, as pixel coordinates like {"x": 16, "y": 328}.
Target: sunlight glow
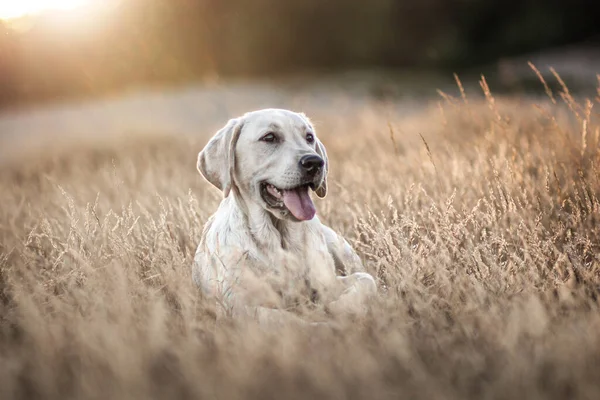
{"x": 12, "y": 9}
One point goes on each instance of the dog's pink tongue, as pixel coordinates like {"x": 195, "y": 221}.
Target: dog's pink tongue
{"x": 299, "y": 203}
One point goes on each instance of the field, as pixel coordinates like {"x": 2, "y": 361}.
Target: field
{"x": 478, "y": 215}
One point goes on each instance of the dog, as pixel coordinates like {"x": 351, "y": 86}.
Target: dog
{"x": 265, "y": 252}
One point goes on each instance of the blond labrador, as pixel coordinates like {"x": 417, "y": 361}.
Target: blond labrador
{"x": 264, "y": 250}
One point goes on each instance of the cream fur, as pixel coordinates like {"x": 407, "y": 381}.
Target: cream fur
{"x": 252, "y": 259}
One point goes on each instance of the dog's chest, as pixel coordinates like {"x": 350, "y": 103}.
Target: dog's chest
{"x": 308, "y": 258}
{"x": 299, "y": 276}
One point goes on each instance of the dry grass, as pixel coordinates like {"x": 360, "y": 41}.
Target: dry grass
{"x": 479, "y": 218}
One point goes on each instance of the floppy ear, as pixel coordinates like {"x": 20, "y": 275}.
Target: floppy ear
{"x": 322, "y": 189}
{"x": 216, "y": 162}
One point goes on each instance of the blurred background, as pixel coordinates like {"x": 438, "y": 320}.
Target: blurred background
{"x": 83, "y": 68}
{"x": 58, "y": 49}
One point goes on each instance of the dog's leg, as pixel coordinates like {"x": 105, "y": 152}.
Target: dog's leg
{"x": 346, "y": 260}
{"x": 358, "y": 289}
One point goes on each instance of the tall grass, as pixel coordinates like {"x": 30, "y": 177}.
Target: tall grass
{"x": 478, "y": 217}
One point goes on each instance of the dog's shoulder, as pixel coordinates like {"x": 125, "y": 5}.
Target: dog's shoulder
{"x": 226, "y": 227}
{"x": 345, "y": 258}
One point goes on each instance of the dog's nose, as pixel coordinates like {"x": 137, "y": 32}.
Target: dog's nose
{"x": 311, "y": 163}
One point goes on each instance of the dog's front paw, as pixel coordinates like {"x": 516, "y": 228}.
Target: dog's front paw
{"x": 359, "y": 288}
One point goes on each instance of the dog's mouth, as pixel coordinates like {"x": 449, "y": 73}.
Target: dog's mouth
{"x": 296, "y": 200}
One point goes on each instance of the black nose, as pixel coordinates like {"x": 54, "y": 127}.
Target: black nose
{"x": 311, "y": 163}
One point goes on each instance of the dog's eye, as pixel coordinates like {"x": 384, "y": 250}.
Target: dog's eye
{"x": 269, "y": 137}
{"x": 310, "y": 137}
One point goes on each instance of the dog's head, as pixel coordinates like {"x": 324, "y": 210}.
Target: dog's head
{"x": 272, "y": 157}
